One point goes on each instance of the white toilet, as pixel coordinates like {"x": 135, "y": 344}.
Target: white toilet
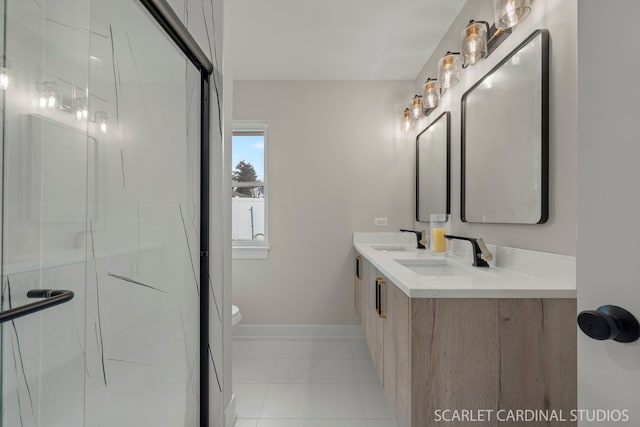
{"x": 236, "y": 317}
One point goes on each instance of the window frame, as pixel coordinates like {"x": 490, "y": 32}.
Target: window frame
{"x": 248, "y": 249}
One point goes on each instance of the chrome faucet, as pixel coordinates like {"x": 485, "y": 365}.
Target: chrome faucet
{"x": 420, "y": 235}
{"x": 481, "y": 253}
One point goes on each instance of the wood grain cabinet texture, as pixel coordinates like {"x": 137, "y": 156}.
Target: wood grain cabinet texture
{"x": 476, "y": 354}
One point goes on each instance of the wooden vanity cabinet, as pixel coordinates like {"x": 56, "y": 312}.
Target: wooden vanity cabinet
{"x": 365, "y": 298}
{"x": 385, "y": 322}
{"x": 469, "y": 353}
{"x": 491, "y": 353}
{"x": 372, "y": 319}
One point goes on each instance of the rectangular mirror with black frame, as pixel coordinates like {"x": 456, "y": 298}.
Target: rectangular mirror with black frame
{"x": 505, "y": 139}
{"x": 433, "y": 158}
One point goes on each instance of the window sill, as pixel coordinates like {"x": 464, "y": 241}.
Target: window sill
{"x": 250, "y": 252}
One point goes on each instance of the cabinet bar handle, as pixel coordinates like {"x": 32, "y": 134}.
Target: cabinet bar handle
{"x": 377, "y": 297}
{"x": 381, "y": 282}
{"x": 358, "y": 276}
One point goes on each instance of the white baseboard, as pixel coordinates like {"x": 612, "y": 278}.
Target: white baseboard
{"x": 230, "y": 413}
{"x": 318, "y": 332}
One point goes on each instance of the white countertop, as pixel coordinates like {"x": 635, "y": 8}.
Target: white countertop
{"x": 514, "y": 273}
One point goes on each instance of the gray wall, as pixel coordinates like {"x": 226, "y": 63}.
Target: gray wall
{"x": 337, "y": 159}
{"x": 558, "y": 235}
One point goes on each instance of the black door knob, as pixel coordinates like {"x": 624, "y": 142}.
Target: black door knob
{"x": 609, "y": 322}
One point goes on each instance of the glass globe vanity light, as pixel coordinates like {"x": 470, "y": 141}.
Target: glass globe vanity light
{"x": 509, "y": 13}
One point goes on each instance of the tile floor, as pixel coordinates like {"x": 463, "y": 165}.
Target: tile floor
{"x": 314, "y": 383}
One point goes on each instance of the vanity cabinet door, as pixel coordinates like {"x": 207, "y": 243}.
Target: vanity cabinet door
{"x": 357, "y": 284}
{"x": 366, "y": 301}
{"x": 397, "y": 353}
{"x": 390, "y": 329}
{"x": 385, "y": 320}
{"x": 376, "y": 321}
{"x": 402, "y": 334}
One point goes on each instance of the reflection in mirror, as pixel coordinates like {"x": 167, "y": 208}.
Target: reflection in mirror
{"x": 505, "y": 139}
{"x": 432, "y": 169}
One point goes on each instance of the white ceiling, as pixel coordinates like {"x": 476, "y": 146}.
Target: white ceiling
{"x": 336, "y": 39}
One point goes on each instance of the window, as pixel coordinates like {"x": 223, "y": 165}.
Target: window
{"x": 249, "y": 190}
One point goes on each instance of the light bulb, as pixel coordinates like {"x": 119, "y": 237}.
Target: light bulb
{"x": 82, "y": 113}
{"x": 449, "y": 70}
{"x": 4, "y": 79}
{"x": 474, "y": 42}
{"x": 101, "y": 120}
{"x": 48, "y": 95}
{"x": 82, "y": 109}
{"x": 417, "y": 110}
{"x": 407, "y": 121}
{"x": 431, "y": 94}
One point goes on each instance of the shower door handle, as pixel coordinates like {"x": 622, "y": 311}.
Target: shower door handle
{"x": 52, "y": 297}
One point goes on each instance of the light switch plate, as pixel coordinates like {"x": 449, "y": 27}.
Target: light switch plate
{"x": 380, "y": 222}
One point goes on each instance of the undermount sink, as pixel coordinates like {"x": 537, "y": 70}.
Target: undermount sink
{"x": 438, "y": 267}
{"x": 390, "y": 247}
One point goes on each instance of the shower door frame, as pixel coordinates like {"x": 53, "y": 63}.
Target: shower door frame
{"x": 175, "y": 29}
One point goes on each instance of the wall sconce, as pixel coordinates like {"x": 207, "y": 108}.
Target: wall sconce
{"x": 102, "y": 119}
{"x": 417, "y": 109}
{"x": 81, "y": 109}
{"x": 70, "y": 106}
{"x": 449, "y": 70}
{"x": 479, "y": 40}
{"x": 474, "y": 42}
{"x": 4, "y": 78}
{"x": 48, "y": 95}
{"x": 509, "y": 13}
{"x": 431, "y": 93}
{"x": 407, "y": 123}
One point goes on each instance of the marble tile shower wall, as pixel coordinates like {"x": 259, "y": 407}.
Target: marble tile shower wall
{"x": 106, "y": 205}
{"x": 203, "y": 18}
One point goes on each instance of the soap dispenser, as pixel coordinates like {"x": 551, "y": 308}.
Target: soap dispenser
{"x": 439, "y": 225}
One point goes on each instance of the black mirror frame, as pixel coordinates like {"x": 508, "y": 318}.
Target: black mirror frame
{"x": 544, "y": 184}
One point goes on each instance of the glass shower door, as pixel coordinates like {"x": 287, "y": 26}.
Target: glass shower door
{"x": 44, "y": 213}
{"x": 101, "y": 197}
{"x": 143, "y": 279}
